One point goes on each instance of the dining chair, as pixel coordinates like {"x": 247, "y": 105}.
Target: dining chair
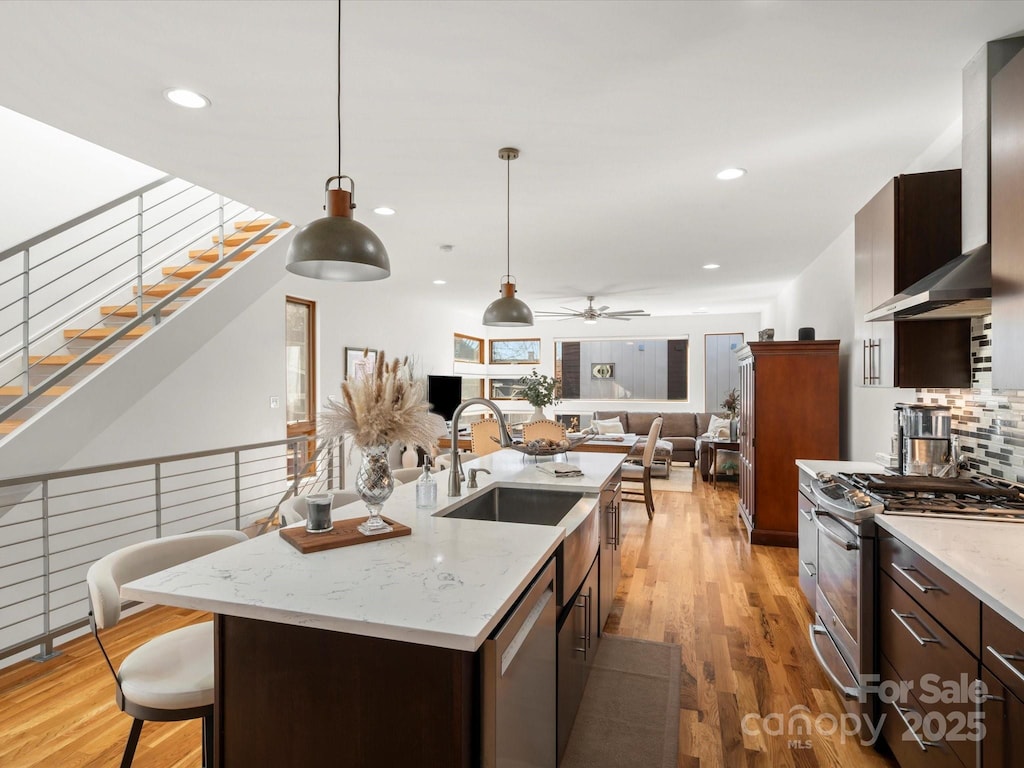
{"x": 641, "y": 473}
{"x": 480, "y": 436}
{"x": 543, "y": 428}
{"x": 170, "y": 676}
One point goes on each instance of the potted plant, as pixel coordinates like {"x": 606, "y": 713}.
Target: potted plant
{"x": 731, "y": 405}
{"x": 539, "y": 390}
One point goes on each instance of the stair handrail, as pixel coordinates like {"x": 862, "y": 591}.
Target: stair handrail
{"x": 154, "y": 312}
{"x": 81, "y": 219}
{"x": 46, "y": 499}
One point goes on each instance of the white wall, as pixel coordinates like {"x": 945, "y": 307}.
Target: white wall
{"x": 822, "y": 297}
{"x": 50, "y": 176}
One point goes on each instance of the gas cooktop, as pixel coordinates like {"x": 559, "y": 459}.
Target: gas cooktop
{"x": 969, "y": 498}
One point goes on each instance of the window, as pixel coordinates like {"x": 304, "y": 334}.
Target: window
{"x": 468, "y": 349}
{"x": 472, "y": 387}
{"x": 515, "y": 351}
{"x": 300, "y": 381}
{"x": 505, "y": 389}
{"x": 623, "y": 369}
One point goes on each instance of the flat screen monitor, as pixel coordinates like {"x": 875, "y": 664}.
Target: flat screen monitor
{"x": 444, "y": 393}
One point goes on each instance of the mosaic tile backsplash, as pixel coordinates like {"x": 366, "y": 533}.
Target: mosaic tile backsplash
{"x": 990, "y": 422}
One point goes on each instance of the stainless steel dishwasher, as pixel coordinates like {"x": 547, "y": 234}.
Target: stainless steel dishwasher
{"x": 519, "y": 682}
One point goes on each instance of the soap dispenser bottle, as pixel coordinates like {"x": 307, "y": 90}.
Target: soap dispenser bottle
{"x": 426, "y": 488}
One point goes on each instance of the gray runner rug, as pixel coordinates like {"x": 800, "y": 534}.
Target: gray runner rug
{"x": 629, "y": 716}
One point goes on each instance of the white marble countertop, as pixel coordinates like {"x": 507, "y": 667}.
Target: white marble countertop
{"x": 448, "y": 584}
{"x": 982, "y": 556}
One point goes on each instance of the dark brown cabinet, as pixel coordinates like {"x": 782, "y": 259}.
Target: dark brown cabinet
{"x": 577, "y": 646}
{"x": 611, "y": 548}
{"x": 789, "y": 410}
{"x": 906, "y": 231}
{"x": 1007, "y": 124}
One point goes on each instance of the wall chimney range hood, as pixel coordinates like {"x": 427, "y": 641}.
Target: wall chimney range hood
{"x": 963, "y": 286}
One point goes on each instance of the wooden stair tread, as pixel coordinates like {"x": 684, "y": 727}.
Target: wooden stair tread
{"x": 102, "y": 333}
{"x": 16, "y": 391}
{"x": 212, "y": 254}
{"x": 257, "y": 224}
{"x": 241, "y": 237}
{"x": 165, "y": 289}
{"x": 131, "y": 310}
{"x": 6, "y": 427}
{"x": 62, "y": 360}
{"x": 189, "y": 271}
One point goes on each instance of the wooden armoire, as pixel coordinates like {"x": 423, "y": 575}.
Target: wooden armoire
{"x": 789, "y": 410}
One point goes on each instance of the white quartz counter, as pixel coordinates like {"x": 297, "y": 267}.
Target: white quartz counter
{"x": 982, "y": 556}
{"x": 448, "y": 584}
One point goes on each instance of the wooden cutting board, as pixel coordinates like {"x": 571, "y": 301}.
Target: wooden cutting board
{"x": 344, "y": 533}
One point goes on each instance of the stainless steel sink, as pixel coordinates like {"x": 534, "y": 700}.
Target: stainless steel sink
{"x": 544, "y": 507}
{"x": 517, "y": 505}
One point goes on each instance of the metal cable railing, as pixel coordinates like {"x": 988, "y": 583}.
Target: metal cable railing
{"x": 124, "y": 247}
{"x": 54, "y": 526}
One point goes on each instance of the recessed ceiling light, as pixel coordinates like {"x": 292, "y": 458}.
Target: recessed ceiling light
{"x": 712, "y": 266}
{"x": 384, "y": 211}
{"x": 701, "y": 311}
{"x": 186, "y": 98}
{"x": 729, "y": 174}
{"x": 440, "y": 282}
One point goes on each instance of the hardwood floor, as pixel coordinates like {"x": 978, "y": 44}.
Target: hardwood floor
{"x": 689, "y": 577}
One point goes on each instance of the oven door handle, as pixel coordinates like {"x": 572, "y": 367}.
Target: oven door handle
{"x": 849, "y": 692}
{"x": 849, "y": 546}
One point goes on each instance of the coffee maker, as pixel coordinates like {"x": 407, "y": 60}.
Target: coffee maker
{"x": 923, "y": 439}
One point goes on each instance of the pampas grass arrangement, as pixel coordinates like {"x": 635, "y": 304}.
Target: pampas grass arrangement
{"x": 384, "y": 408}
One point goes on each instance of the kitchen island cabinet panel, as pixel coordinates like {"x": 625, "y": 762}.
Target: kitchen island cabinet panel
{"x": 789, "y": 409}
{"x": 340, "y": 699}
{"x": 1003, "y": 718}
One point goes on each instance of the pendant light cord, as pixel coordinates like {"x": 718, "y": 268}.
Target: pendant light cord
{"x": 508, "y": 216}
{"x": 339, "y": 87}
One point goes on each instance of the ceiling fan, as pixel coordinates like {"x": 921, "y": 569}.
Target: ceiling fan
{"x": 592, "y": 314}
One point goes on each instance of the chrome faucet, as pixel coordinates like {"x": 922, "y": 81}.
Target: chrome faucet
{"x": 455, "y": 475}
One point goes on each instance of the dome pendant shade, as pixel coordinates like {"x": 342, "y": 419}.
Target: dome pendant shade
{"x": 337, "y": 247}
{"x": 508, "y": 311}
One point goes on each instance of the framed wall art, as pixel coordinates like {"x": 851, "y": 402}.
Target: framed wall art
{"x": 602, "y": 371}
{"x": 356, "y": 365}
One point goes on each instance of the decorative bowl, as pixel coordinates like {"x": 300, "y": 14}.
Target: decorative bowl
{"x": 540, "y": 448}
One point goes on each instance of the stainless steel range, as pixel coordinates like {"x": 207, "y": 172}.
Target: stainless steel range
{"x": 837, "y": 548}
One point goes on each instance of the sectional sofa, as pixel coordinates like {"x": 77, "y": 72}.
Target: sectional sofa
{"x": 680, "y": 429}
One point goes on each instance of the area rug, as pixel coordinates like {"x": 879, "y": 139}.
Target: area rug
{"x": 629, "y": 715}
{"x": 681, "y": 480}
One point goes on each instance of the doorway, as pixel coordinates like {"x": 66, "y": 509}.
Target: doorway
{"x": 300, "y": 382}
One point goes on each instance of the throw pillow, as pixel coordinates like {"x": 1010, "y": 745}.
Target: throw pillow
{"x": 608, "y": 426}
{"x": 718, "y": 427}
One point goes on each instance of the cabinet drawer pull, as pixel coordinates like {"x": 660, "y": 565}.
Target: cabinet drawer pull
{"x": 902, "y": 570}
{"x": 808, "y": 514}
{"x": 1006, "y": 659}
{"x": 807, "y": 567}
{"x": 902, "y": 619}
{"x": 902, "y": 712}
{"x": 806, "y": 488}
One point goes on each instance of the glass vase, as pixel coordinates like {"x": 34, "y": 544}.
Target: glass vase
{"x": 374, "y": 484}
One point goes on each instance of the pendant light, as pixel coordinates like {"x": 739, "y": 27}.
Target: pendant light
{"x": 508, "y": 311}
{"x": 337, "y": 247}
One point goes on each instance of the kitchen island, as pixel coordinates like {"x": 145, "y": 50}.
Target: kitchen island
{"x": 371, "y": 654}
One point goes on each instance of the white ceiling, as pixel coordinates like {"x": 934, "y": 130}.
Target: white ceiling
{"x": 623, "y": 111}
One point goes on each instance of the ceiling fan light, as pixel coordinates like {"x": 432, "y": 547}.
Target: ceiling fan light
{"x": 590, "y": 321}
{"x": 508, "y": 311}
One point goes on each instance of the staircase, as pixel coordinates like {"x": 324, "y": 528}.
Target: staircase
{"x": 148, "y": 283}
